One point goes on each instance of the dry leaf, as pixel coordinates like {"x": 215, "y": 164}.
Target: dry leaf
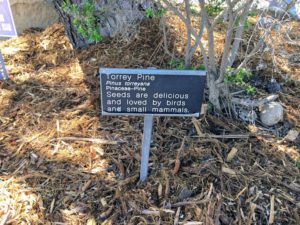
{"x": 91, "y": 221}
{"x": 231, "y": 154}
{"x": 272, "y": 213}
{"x": 176, "y": 167}
{"x": 228, "y": 171}
{"x": 52, "y": 206}
{"x": 86, "y": 185}
{"x": 103, "y": 202}
{"x": 107, "y": 213}
{"x": 159, "y": 190}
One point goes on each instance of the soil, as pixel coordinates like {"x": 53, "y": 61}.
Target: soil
{"x": 61, "y": 162}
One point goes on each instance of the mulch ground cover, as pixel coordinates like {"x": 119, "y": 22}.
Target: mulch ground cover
{"x": 61, "y": 162}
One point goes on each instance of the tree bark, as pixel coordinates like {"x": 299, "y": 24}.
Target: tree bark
{"x": 76, "y": 39}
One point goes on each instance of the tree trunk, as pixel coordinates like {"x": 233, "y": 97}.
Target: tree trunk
{"x": 113, "y": 17}
{"x": 214, "y": 91}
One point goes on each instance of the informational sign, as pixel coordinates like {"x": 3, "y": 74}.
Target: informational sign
{"x": 3, "y": 72}
{"x": 7, "y": 25}
{"x": 151, "y": 91}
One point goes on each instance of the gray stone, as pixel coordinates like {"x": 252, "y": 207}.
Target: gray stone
{"x": 247, "y": 115}
{"x": 184, "y": 194}
{"x": 33, "y": 13}
{"x": 294, "y": 59}
{"x": 271, "y": 113}
{"x": 292, "y": 135}
{"x": 273, "y": 86}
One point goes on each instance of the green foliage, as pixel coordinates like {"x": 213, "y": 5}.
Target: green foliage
{"x": 238, "y": 79}
{"x": 84, "y": 19}
{"x": 210, "y": 107}
{"x": 201, "y": 67}
{"x": 213, "y": 7}
{"x": 177, "y": 64}
{"x": 194, "y": 9}
{"x": 180, "y": 65}
{"x": 149, "y": 12}
{"x": 252, "y": 13}
{"x": 298, "y": 163}
{"x": 247, "y": 23}
{"x": 158, "y": 13}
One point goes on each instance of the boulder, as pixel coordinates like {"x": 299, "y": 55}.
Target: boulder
{"x": 33, "y": 13}
{"x": 271, "y": 113}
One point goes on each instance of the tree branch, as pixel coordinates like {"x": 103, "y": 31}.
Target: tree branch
{"x": 211, "y": 49}
{"x": 188, "y": 56}
{"x": 239, "y": 32}
{"x": 237, "y": 39}
{"x": 228, "y": 39}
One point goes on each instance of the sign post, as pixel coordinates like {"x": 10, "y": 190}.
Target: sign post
{"x": 3, "y": 72}
{"x": 7, "y": 29}
{"x": 149, "y": 93}
{"x": 148, "y": 122}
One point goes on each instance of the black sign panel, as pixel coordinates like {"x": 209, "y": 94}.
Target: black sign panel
{"x": 151, "y": 91}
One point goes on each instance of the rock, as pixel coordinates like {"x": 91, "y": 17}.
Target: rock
{"x": 292, "y": 135}
{"x": 184, "y": 194}
{"x": 33, "y": 13}
{"x": 271, "y": 113}
{"x": 261, "y": 66}
{"x": 247, "y": 115}
{"x": 294, "y": 59}
{"x": 266, "y": 21}
{"x": 273, "y": 86}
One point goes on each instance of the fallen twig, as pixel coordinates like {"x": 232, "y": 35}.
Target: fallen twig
{"x": 178, "y": 204}
{"x": 233, "y": 136}
{"x": 253, "y": 103}
{"x": 94, "y": 140}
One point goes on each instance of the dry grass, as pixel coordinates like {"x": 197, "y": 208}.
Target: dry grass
{"x": 46, "y": 178}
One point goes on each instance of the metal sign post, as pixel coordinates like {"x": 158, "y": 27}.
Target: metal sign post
{"x": 3, "y": 72}
{"x": 7, "y": 29}
{"x": 148, "y": 121}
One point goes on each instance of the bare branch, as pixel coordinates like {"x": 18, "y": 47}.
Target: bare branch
{"x": 188, "y": 56}
{"x": 228, "y": 39}
{"x": 176, "y": 11}
{"x": 194, "y": 35}
{"x": 239, "y": 32}
{"x": 211, "y": 49}
{"x": 237, "y": 40}
{"x": 254, "y": 50}
{"x": 163, "y": 22}
{"x": 221, "y": 14}
{"x": 198, "y": 38}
